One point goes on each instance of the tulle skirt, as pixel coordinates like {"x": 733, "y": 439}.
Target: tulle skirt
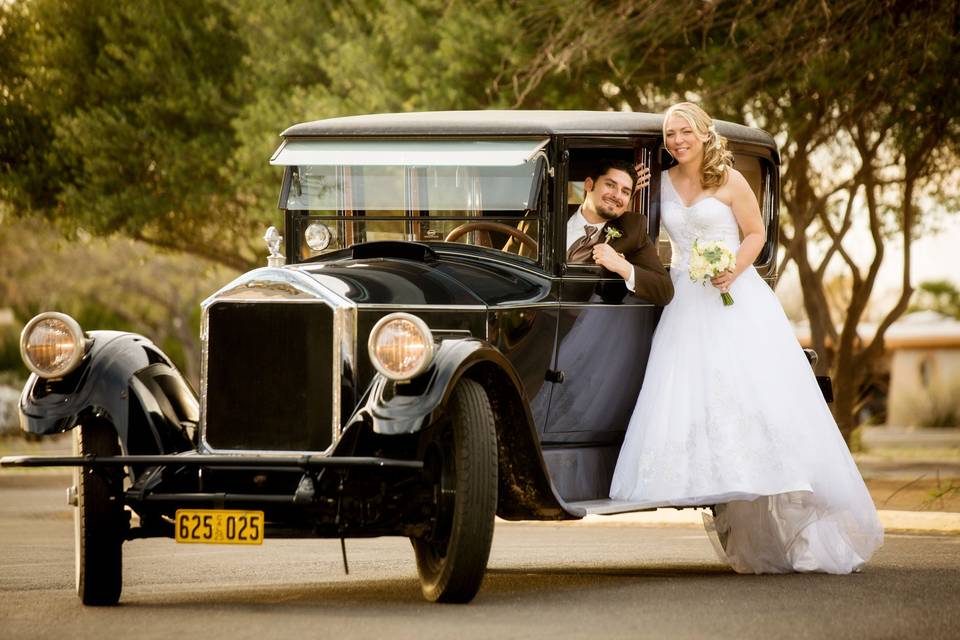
{"x": 730, "y": 415}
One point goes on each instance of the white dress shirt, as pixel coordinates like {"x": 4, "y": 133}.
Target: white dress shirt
{"x": 575, "y": 231}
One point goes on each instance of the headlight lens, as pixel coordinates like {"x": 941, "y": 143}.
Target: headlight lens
{"x": 318, "y": 236}
{"x": 52, "y": 344}
{"x": 401, "y": 346}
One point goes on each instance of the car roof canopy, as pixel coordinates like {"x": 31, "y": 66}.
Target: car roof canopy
{"x": 508, "y": 123}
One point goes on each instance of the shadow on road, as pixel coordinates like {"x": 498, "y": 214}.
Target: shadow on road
{"x": 645, "y": 571}
{"x": 516, "y": 585}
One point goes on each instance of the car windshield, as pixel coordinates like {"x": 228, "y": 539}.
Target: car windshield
{"x": 483, "y": 193}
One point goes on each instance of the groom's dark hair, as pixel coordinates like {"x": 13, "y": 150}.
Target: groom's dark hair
{"x": 606, "y": 165}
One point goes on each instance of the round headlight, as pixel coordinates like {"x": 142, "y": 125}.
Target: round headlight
{"x": 52, "y": 344}
{"x": 318, "y": 236}
{"x": 401, "y": 346}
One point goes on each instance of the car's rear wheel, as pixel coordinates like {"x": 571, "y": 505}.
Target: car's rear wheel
{"x": 98, "y": 517}
{"x": 452, "y": 562}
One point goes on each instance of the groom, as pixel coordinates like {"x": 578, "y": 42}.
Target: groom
{"x": 602, "y": 231}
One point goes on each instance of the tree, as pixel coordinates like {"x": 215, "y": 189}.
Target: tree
{"x": 874, "y": 101}
{"x": 941, "y": 296}
{"x": 128, "y": 121}
{"x": 23, "y": 143}
{"x": 131, "y": 113}
{"x": 157, "y": 124}
{"x": 121, "y": 285}
{"x": 307, "y": 60}
{"x": 861, "y": 96}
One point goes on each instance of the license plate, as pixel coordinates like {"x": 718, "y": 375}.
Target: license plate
{"x": 219, "y": 526}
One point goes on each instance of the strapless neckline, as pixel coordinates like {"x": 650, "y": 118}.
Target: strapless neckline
{"x": 707, "y": 219}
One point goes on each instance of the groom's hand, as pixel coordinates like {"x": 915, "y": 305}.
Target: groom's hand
{"x": 608, "y": 258}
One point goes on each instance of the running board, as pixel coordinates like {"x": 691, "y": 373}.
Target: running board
{"x": 610, "y": 507}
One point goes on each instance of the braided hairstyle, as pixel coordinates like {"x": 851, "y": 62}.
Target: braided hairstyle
{"x": 716, "y": 158}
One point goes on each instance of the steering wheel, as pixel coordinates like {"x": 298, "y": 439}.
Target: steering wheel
{"x": 467, "y": 227}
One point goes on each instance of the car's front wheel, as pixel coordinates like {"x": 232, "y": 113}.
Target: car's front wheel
{"x": 463, "y": 453}
{"x": 98, "y": 517}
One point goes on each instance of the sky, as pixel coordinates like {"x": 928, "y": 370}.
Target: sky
{"x": 937, "y": 257}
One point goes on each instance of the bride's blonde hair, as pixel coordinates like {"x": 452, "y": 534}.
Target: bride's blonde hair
{"x": 716, "y": 158}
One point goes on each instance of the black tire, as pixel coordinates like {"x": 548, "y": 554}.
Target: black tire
{"x": 452, "y": 565}
{"x": 98, "y": 518}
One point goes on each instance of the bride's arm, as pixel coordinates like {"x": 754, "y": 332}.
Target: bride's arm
{"x": 747, "y": 212}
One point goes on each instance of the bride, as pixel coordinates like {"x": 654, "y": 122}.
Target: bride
{"x": 730, "y": 414}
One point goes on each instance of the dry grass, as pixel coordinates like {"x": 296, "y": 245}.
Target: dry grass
{"x": 920, "y": 494}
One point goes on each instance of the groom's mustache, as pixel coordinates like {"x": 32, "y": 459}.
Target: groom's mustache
{"x": 606, "y": 214}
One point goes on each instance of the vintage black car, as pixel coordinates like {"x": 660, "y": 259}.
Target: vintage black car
{"x": 415, "y": 366}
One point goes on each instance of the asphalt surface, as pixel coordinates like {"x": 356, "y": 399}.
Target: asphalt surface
{"x": 544, "y": 580}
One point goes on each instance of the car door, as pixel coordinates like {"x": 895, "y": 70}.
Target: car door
{"x": 603, "y": 341}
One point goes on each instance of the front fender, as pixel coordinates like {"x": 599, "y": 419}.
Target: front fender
{"x": 396, "y": 408}
{"x": 124, "y": 378}
{"x": 525, "y": 489}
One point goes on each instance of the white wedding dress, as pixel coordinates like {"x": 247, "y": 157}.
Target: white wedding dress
{"x": 730, "y": 415}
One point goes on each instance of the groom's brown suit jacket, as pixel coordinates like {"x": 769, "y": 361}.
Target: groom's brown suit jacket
{"x": 651, "y": 280}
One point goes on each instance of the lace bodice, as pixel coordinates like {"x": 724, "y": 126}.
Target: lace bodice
{"x": 706, "y": 220}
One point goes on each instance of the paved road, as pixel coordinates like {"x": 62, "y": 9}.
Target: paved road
{"x": 544, "y": 581}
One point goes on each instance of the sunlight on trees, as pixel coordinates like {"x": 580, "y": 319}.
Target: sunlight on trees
{"x": 156, "y": 124}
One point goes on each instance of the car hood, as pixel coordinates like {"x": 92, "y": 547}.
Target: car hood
{"x": 447, "y": 280}
{"x": 443, "y": 280}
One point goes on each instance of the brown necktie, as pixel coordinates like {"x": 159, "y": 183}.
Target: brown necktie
{"x": 582, "y": 248}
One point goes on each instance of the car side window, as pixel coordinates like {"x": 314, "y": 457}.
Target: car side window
{"x": 582, "y": 164}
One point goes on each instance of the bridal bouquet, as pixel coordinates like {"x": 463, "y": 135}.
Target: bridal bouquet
{"x": 710, "y": 260}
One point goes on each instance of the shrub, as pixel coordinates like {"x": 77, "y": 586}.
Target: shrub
{"x": 939, "y": 406}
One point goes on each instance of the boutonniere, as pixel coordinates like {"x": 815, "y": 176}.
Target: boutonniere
{"x": 612, "y": 233}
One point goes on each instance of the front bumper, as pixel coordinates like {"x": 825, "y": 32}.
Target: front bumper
{"x": 306, "y": 495}
{"x": 305, "y": 462}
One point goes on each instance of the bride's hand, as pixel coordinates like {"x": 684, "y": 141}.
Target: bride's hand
{"x": 723, "y": 281}
{"x": 643, "y": 176}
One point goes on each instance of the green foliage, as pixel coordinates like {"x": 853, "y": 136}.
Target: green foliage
{"x": 308, "y": 60}
{"x": 136, "y": 107}
{"x": 941, "y": 296}
{"x": 121, "y": 285}
{"x": 10, "y": 352}
{"x": 155, "y": 121}
{"x": 24, "y": 139}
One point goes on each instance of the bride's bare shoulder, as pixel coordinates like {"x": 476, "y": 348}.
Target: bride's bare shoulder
{"x": 735, "y": 185}
{"x": 735, "y": 179}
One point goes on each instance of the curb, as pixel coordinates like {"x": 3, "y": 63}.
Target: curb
{"x": 939, "y": 522}
{"x": 920, "y": 522}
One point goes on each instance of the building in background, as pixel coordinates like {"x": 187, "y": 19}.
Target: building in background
{"x": 923, "y": 354}
{"x": 917, "y": 383}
